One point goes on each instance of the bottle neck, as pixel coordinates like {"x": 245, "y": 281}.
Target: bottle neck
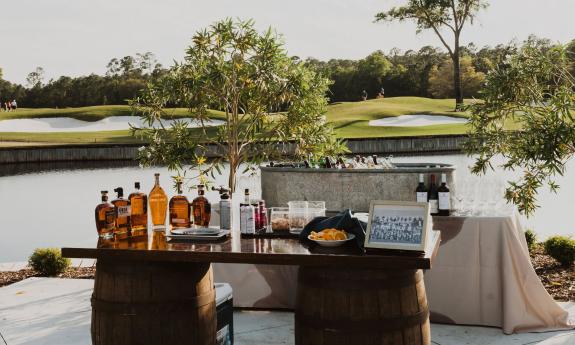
{"x": 247, "y": 199}
{"x": 104, "y": 198}
{"x": 157, "y": 180}
{"x": 421, "y": 178}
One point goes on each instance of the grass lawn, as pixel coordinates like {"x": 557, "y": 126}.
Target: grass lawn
{"x": 350, "y": 119}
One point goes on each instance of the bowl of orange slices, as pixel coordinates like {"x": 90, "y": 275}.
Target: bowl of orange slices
{"x": 330, "y": 237}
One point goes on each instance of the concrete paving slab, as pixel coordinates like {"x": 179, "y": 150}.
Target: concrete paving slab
{"x": 48, "y": 311}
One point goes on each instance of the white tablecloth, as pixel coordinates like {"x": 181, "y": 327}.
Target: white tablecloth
{"x": 481, "y": 276}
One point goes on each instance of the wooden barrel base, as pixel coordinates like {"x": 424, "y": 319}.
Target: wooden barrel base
{"x": 339, "y": 306}
{"x": 149, "y": 303}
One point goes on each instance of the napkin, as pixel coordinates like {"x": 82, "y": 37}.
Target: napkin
{"x": 342, "y": 221}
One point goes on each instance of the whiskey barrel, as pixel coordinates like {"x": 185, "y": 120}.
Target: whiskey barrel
{"x": 339, "y": 306}
{"x": 149, "y": 303}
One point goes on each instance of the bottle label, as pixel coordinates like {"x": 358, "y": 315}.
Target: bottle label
{"x": 225, "y": 221}
{"x": 124, "y": 211}
{"x": 444, "y": 201}
{"x": 110, "y": 219}
{"x": 421, "y": 196}
{"x": 247, "y": 220}
{"x": 433, "y": 206}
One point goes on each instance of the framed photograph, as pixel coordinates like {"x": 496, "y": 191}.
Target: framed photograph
{"x": 397, "y": 225}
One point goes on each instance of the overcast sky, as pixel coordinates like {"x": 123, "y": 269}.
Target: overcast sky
{"x": 75, "y": 37}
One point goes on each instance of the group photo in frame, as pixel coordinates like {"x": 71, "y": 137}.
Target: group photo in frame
{"x": 397, "y": 225}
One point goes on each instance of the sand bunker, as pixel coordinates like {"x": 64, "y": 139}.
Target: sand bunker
{"x": 66, "y": 124}
{"x": 416, "y": 121}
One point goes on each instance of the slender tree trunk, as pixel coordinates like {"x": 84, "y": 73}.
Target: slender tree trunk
{"x": 232, "y": 179}
{"x": 457, "y": 76}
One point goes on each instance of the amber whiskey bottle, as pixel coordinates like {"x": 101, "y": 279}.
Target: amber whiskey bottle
{"x": 179, "y": 209}
{"x": 123, "y": 212}
{"x": 105, "y": 217}
{"x": 158, "y": 205}
{"x": 201, "y": 208}
{"x": 139, "y": 204}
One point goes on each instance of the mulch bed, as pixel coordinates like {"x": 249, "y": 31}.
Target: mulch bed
{"x": 558, "y": 280}
{"x": 7, "y": 278}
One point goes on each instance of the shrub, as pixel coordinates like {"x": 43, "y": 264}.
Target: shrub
{"x": 48, "y": 261}
{"x": 531, "y": 238}
{"x": 561, "y": 248}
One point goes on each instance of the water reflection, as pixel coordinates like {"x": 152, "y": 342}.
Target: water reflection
{"x": 52, "y": 204}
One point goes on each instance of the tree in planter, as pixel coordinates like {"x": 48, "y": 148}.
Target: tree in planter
{"x": 451, "y": 15}
{"x": 534, "y": 91}
{"x": 264, "y": 97}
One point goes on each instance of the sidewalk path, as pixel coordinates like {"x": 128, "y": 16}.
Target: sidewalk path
{"x": 49, "y": 311}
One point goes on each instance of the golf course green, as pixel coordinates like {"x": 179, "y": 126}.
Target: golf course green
{"x": 350, "y": 120}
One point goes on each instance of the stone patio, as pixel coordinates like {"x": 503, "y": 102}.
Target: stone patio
{"x": 48, "y": 311}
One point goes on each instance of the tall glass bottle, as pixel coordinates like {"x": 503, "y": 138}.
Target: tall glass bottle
{"x": 201, "y": 208}
{"x": 433, "y": 197}
{"x": 444, "y": 197}
{"x": 158, "y": 205}
{"x": 421, "y": 190}
{"x": 139, "y": 204}
{"x": 122, "y": 208}
{"x": 105, "y": 217}
{"x": 179, "y": 209}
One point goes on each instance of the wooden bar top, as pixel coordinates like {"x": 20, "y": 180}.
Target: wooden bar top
{"x": 273, "y": 251}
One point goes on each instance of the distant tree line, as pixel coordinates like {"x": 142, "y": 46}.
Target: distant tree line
{"x": 124, "y": 78}
{"x": 427, "y": 72}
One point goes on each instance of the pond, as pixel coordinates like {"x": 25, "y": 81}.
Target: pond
{"x": 52, "y": 205}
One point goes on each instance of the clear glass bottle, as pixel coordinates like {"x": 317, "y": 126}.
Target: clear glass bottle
{"x": 179, "y": 209}
{"x": 158, "y": 205}
{"x": 139, "y": 204}
{"x": 105, "y": 217}
{"x": 247, "y": 215}
{"x": 123, "y": 212}
{"x": 201, "y": 208}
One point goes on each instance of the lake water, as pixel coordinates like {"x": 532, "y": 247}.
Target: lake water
{"x": 53, "y": 205}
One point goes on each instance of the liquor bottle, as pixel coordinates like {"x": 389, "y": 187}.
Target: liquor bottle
{"x": 201, "y": 208}
{"x": 247, "y": 215}
{"x": 444, "y": 204}
{"x": 123, "y": 212}
{"x": 421, "y": 190}
{"x": 179, "y": 209}
{"x": 263, "y": 215}
{"x": 158, "y": 205}
{"x": 139, "y": 205}
{"x": 225, "y": 208}
{"x": 105, "y": 217}
{"x": 433, "y": 197}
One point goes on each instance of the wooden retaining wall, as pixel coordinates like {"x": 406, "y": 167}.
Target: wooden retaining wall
{"x": 99, "y": 152}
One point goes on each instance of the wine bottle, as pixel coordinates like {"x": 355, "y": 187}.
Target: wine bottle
{"x": 444, "y": 197}
{"x": 421, "y": 190}
{"x": 433, "y": 197}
